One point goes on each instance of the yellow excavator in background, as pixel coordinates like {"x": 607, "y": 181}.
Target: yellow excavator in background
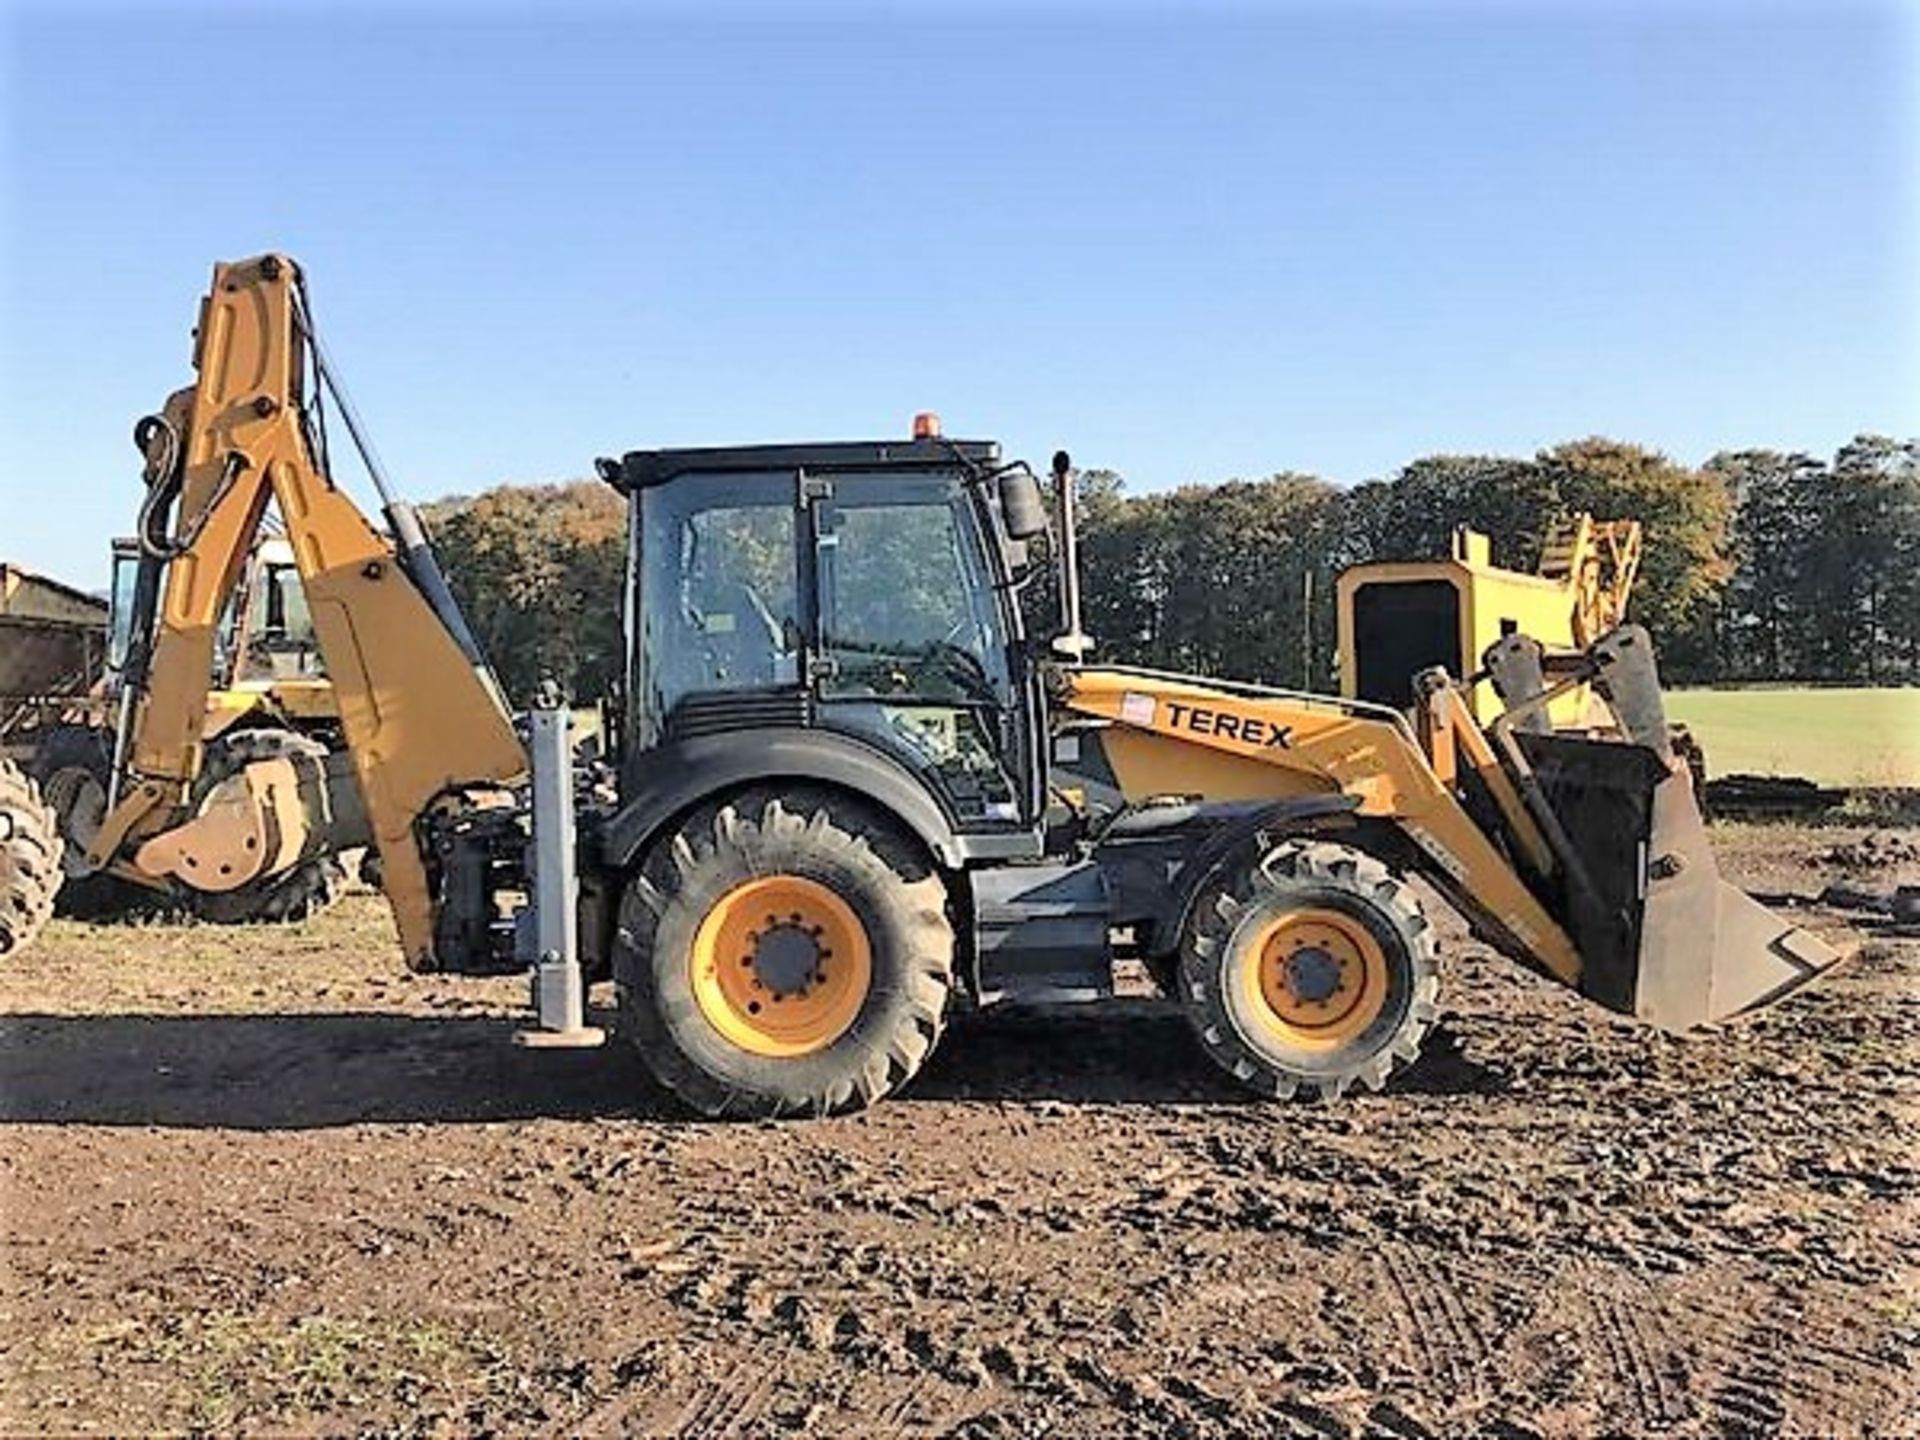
{"x": 836, "y": 792}
{"x": 269, "y": 697}
{"x": 1396, "y": 618}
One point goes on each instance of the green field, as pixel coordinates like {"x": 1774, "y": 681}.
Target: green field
{"x": 1832, "y": 737}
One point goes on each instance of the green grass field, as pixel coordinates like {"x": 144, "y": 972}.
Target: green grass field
{"x": 1833, "y": 737}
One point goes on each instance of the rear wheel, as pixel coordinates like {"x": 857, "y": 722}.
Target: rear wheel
{"x": 784, "y": 955}
{"x": 1310, "y": 966}
{"x": 29, "y": 860}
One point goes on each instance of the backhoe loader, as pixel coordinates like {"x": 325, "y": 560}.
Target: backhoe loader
{"x": 845, "y": 791}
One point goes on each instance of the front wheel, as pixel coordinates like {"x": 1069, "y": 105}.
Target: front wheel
{"x": 783, "y": 955}
{"x": 1311, "y": 966}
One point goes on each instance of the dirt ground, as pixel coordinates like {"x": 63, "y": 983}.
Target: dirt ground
{"x": 265, "y": 1180}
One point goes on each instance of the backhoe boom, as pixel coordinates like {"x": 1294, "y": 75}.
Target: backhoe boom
{"x": 421, "y": 714}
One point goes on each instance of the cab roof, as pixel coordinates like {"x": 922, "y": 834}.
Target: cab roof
{"x": 638, "y": 469}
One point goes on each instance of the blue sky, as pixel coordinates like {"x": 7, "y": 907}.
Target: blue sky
{"x": 1184, "y": 242}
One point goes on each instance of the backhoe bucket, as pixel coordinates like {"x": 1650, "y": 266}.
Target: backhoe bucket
{"x": 1663, "y": 938}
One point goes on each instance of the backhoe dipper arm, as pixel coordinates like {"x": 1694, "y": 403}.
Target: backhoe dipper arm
{"x": 421, "y": 713}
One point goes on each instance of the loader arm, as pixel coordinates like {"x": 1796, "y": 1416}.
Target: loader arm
{"x": 421, "y": 713}
{"x": 1591, "y": 865}
{"x": 1276, "y": 742}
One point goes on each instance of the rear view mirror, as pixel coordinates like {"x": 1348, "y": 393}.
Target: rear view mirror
{"x": 1022, "y": 507}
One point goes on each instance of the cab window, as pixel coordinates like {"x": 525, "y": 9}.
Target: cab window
{"x": 722, "y": 612}
{"x": 912, "y": 638}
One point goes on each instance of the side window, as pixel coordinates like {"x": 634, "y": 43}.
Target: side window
{"x": 897, "y": 580}
{"x": 740, "y": 574}
{"x": 126, "y": 571}
{"x": 907, "y": 620}
{"x": 724, "y": 614}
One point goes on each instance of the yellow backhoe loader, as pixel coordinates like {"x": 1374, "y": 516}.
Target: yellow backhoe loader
{"x": 837, "y": 770}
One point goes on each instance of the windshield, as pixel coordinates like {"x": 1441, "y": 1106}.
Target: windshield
{"x": 270, "y": 633}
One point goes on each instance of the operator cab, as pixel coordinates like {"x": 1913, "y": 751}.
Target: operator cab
{"x": 858, "y": 594}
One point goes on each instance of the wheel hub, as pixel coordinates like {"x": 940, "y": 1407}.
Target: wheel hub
{"x": 781, "y": 966}
{"x": 1313, "y": 975}
{"x": 1317, "y": 977}
{"x": 788, "y": 958}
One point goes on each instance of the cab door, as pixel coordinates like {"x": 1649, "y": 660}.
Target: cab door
{"x": 912, "y": 650}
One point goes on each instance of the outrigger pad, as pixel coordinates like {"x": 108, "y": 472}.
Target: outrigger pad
{"x": 1661, "y": 936}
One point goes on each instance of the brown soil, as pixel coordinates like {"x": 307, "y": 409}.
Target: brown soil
{"x": 263, "y": 1180}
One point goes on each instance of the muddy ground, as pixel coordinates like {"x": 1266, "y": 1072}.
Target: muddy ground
{"x": 265, "y": 1180}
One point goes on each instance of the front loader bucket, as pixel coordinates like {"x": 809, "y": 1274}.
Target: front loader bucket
{"x": 1707, "y": 951}
{"x": 1661, "y": 936}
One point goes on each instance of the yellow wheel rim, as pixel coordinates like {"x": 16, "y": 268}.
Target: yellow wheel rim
{"x": 1319, "y": 976}
{"x": 781, "y": 966}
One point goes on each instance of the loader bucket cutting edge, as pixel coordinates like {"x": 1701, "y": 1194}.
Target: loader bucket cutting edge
{"x": 1664, "y": 939}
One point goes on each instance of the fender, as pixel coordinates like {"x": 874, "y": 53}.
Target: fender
{"x": 1210, "y": 858}
{"x": 681, "y": 774}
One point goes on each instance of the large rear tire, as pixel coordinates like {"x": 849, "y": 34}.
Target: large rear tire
{"x": 784, "y": 955}
{"x": 29, "y": 860}
{"x": 1312, "y": 967}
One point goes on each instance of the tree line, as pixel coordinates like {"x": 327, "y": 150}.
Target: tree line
{"x": 1758, "y": 566}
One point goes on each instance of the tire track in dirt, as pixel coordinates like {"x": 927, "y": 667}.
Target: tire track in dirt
{"x": 714, "y": 1410}
{"x": 1639, "y": 1356}
{"x": 1748, "y": 1401}
{"x": 1771, "y": 1365}
{"x": 906, "y": 1411}
{"x": 892, "y": 1417}
{"x": 1449, "y": 1347}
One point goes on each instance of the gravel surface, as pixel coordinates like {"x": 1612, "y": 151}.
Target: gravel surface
{"x": 263, "y": 1179}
